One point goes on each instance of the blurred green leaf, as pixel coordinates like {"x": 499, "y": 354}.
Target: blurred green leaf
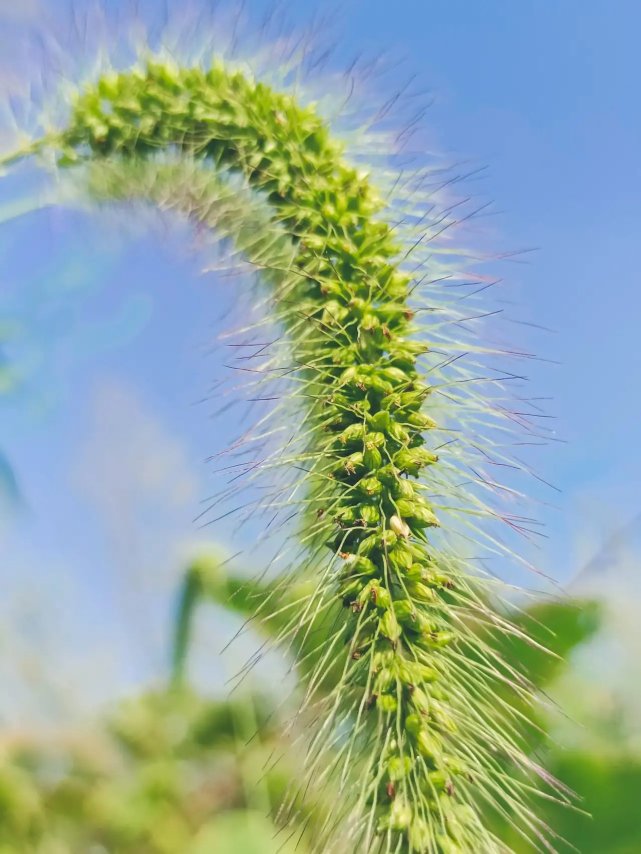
{"x": 554, "y": 630}
{"x": 246, "y": 832}
{"x": 609, "y": 790}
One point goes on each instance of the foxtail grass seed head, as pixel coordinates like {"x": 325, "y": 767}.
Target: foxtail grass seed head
{"x": 417, "y": 732}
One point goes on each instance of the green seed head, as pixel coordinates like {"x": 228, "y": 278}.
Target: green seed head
{"x": 412, "y": 699}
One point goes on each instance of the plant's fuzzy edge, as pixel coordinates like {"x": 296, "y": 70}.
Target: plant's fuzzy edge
{"x": 418, "y": 712}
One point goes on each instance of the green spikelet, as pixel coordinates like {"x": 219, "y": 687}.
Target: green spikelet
{"x": 415, "y": 727}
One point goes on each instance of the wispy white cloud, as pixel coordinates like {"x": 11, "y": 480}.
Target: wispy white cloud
{"x": 130, "y": 462}
{"x": 87, "y": 615}
{"x": 143, "y": 489}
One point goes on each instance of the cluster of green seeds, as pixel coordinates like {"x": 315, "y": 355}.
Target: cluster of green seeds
{"x": 351, "y": 324}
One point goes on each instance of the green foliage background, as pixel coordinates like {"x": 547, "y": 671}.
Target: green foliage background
{"x": 173, "y": 771}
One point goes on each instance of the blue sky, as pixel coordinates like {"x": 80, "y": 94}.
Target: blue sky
{"x": 541, "y": 93}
